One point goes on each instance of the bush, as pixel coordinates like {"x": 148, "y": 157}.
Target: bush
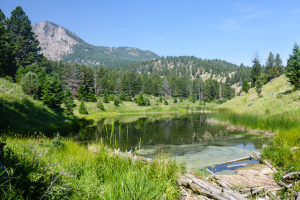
{"x": 116, "y": 102}
{"x": 100, "y": 104}
{"x": 166, "y": 102}
{"x": 9, "y": 78}
{"x": 181, "y": 99}
{"x": 128, "y": 98}
{"x": 122, "y": 96}
{"x": 111, "y": 97}
{"x": 147, "y": 101}
{"x": 30, "y": 84}
{"x": 175, "y": 100}
{"x": 160, "y": 99}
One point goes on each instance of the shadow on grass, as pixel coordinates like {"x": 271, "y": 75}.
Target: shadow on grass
{"x": 26, "y": 118}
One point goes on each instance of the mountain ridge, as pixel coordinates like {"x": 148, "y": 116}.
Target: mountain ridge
{"x": 59, "y": 43}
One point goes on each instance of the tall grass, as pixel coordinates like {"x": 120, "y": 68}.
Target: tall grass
{"x": 89, "y": 172}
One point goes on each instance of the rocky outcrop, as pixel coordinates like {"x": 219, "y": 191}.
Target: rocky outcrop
{"x": 54, "y": 41}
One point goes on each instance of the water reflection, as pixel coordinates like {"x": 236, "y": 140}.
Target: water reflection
{"x": 187, "y": 137}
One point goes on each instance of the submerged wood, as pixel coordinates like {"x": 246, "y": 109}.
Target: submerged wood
{"x": 244, "y": 164}
{"x": 236, "y": 160}
{"x": 207, "y": 189}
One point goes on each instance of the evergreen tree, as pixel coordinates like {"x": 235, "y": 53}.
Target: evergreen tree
{"x": 92, "y": 97}
{"x": 175, "y": 100}
{"x": 166, "y": 102}
{"x": 105, "y": 97}
{"x": 258, "y": 87}
{"x": 255, "y": 71}
{"x": 292, "y": 70}
{"x": 160, "y": 99}
{"x": 52, "y": 93}
{"x": 69, "y": 102}
{"x": 81, "y": 94}
{"x": 245, "y": 86}
{"x": 82, "y": 108}
{"x": 116, "y": 102}
{"x": 181, "y": 99}
{"x": 269, "y": 63}
{"x": 7, "y": 66}
{"x": 30, "y": 84}
{"x": 26, "y": 48}
{"x": 140, "y": 101}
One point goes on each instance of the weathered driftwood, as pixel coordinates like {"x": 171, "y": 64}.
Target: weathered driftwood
{"x": 220, "y": 181}
{"x": 294, "y": 148}
{"x": 288, "y": 186}
{"x": 298, "y": 197}
{"x": 186, "y": 194}
{"x": 272, "y": 195}
{"x": 244, "y": 164}
{"x": 290, "y": 174}
{"x": 263, "y": 161}
{"x": 236, "y": 160}
{"x": 255, "y": 191}
{"x": 207, "y": 189}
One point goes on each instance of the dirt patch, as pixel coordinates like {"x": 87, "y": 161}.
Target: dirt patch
{"x": 254, "y": 176}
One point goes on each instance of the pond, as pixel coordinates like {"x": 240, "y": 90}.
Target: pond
{"x": 188, "y": 138}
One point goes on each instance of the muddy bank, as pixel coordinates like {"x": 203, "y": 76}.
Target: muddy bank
{"x": 231, "y": 127}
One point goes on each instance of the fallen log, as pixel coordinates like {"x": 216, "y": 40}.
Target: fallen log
{"x": 207, "y": 189}
{"x": 290, "y": 174}
{"x": 221, "y": 181}
{"x": 263, "y": 161}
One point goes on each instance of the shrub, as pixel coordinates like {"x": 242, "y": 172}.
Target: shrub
{"x": 140, "y": 101}
{"x": 122, "y": 96}
{"x": 166, "y": 102}
{"x": 175, "y": 100}
{"x": 100, "y": 104}
{"x": 181, "y": 99}
{"x": 116, "y": 102}
{"x": 111, "y": 97}
{"x": 147, "y": 101}
{"x": 160, "y": 99}
{"x": 30, "y": 84}
{"x": 9, "y": 78}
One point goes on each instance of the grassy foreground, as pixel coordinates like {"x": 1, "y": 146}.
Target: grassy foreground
{"x": 278, "y": 110}
{"x": 62, "y": 169}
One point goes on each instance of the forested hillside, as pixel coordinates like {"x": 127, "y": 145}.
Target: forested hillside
{"x": 59, "y": 43}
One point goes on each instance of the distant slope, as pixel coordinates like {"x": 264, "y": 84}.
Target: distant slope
{"x": 58, "y": 43}
{"x": 193, "y": 67}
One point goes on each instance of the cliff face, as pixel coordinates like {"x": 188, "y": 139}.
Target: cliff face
{"x": 54, "y": 41}
{"x": 58, "y": 43}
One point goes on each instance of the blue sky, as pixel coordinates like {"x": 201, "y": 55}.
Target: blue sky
{"x": 227, "y": 30}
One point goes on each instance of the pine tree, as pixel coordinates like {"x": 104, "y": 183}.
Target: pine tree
{"x": 255, "y": 71}
{"x": 69, "y": 102}
{"x": 140, "y": 101}
{"x": 26, "y": 50}
{"x": 105, "y": 97}
{"x": 175, "y": 100}
{"x": 52, "y": 93}
{"x": 258, "y": 87}
{"x": 82, "y": 108}
{"x": 7, "y": 66}
{"x": 81, "y": 94}
{"x": 166, "y": 102}
{"x": 245, "y": 86}
{"x": 292, "y": 70}
{"x": 116, "y": 102}
{"x": 92, "y": 97}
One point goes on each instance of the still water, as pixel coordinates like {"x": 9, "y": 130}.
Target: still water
{"x": 188, "y": 138}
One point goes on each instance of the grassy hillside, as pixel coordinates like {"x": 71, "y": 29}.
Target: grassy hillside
{"x": 277, "y": 97}
{"x": 277, "y": 110}
{"x": 21, "y": 113}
